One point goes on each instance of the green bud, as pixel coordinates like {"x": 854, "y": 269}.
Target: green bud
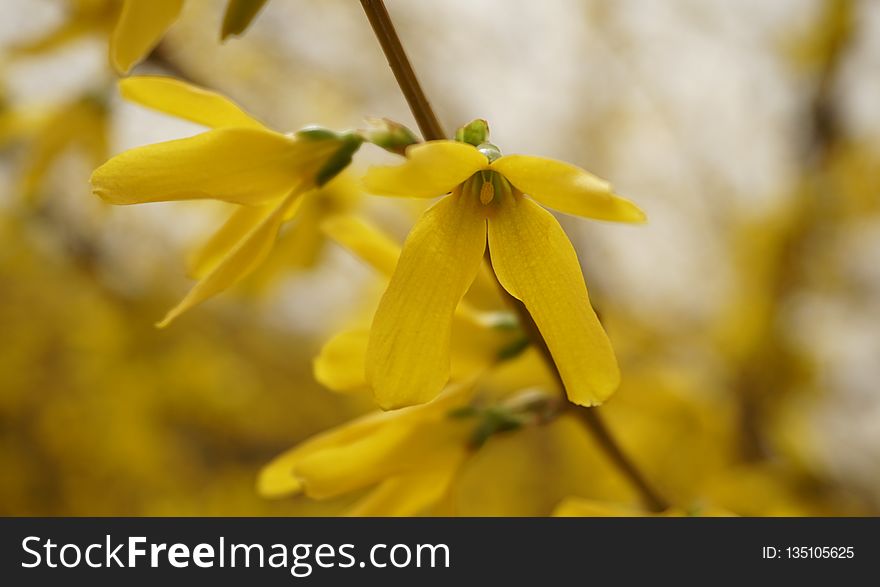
{"x": 474, "y": 133}
{"x": 389, "y": 135}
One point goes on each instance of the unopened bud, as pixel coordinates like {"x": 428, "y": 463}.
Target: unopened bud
{"x": 474, "y": 133}
{"x": 389, "y": 135}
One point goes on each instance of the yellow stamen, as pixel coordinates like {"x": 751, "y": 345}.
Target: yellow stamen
{"x": 487, "y": 192}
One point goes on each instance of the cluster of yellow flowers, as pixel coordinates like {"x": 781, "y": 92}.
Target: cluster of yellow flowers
{"x": 441, "y": 365}
{"x": 469, "y": 387}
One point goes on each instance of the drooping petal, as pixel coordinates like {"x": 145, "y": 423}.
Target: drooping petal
{"x": 341, "y": 364}
{"x": 238, "y": 165}
{"x": 408, "y": 353}
{"x": 431, "y": 169}
{"x": 567, "y": 188}
{"x": 537, "y": 264}
{"x": 186, "y": 101}
{"x": 238, "y": 261}
{"x": 365, "y": 240}
{"x": 140, "y": 26}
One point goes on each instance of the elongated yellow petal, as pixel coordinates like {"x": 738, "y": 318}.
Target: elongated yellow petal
{"x": 408, "y": 353}
{"x": 364, "y": 240}
{"x": 140, "y": 26}
{"x": 186, "y": 101}
{"x": 536, "y": 263}
{"x": 567, "y": 188}
{"x": 238, "y": 261}
{"x": 238, "y": 165}
{"x": 341, "y": 364}
{"x": 431, "y": 169}
{"x": 239, "y": 224}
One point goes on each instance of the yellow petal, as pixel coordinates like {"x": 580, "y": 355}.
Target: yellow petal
{"x": 536, "y": 263}
{"x": 238, "y": 261}
{"x": 567, "y": 188}
{"x": 341, "y": 364}
{"x": 239, "y": 224}
{"x": 364, "y": 240}
{"x": 140, "y": 26}
{"x": 185, "y": 101}
{"x": 408, "y": 353}
{"x": 431, "y": 169}
{"x": 238, "y": 165}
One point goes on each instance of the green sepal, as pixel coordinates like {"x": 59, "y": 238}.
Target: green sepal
{"x": 389, "y": 135}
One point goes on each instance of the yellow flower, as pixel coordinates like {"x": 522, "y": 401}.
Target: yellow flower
{"x": 240, "y": 161}
{"x": 81, "y": 124}
{"x": 83, "y": 18}
{"x": 408, "y": 352}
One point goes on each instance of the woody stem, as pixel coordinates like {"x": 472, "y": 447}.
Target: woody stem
{"x": 431, "y": 130}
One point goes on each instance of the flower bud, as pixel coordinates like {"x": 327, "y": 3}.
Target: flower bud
{"x": 474, "y": 133}
{"x": 389, "y": 135}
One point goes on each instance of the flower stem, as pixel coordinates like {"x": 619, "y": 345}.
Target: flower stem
{"x": 402, "y": 69}
{"x": 431, "y": 130}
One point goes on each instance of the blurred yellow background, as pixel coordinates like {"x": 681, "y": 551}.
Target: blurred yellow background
{"x": 745, "y": 314}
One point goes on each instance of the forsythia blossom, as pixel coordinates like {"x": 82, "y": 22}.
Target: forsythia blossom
{"x": 408, "y": 352}
{"x": 240, "y": 161}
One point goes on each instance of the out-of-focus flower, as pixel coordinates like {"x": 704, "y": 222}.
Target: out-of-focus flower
{"x": 83, "y": 18}
{"x": 240, "y": 161}
{"x": 408, "y": 353}
{"x": 80, "y": 124}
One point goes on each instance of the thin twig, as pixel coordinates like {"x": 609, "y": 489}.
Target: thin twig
{"x": 402, "y": 69}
